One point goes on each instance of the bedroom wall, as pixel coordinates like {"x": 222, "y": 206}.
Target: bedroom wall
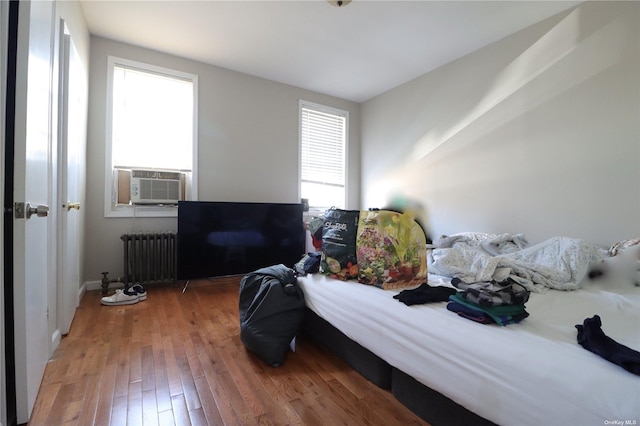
{"x": 537, "y": 133}
{"x": 248, "y": 146}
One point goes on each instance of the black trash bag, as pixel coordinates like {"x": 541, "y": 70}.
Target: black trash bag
{"x": 271, "y": 312}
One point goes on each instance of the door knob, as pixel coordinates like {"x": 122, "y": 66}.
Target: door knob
{"x": 39, "y": 211}
{"x": 73, "y": 206}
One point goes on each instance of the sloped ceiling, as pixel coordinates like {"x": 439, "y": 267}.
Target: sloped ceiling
{"x": 353, "y": 52}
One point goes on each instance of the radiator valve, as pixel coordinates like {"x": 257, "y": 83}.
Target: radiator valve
{"x": 106, "y": 281}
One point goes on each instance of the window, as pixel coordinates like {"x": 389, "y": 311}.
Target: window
{"x": 151, "y": 139}
{"x": 323, "y": 148}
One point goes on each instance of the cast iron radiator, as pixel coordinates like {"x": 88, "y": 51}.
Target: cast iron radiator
{"x": 149, "y": 258}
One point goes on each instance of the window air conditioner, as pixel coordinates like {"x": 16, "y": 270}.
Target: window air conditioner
{"x": 155, "y": 187}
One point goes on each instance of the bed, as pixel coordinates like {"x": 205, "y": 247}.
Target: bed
{"x": 451, "y": 370}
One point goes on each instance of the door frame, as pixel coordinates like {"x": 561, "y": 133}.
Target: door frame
{"x": 67, "y": 288}
{"x": 8, "y": 408}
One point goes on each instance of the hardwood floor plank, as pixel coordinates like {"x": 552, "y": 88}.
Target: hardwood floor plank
{"x": 180, "y": 411}
{"x": 135, "y": 362}
{"x": 123, "y": 369}
{"x": 147, "y": 368}
{"x": 361, "y": 407}
{"x": 223, "y": 403}
{"x": 163, "y": 396}
{"x": 177, "y": 359}
{"x": 82, "y": 385}
{"x": 197, "y": 417}
{"x": 51, "y": 372}
{"x": 146, "y": 323}
{"x": 165, "y": 418}
{"x": 90, "y": 400}
{"x": 119, "y": 411}
{"x": 47, "y": 395}
{"x": 127, "y": 312}
{"x": 59, "y": 404}
{"x": 71, "y": 413}
{"x": 189, "y": 388}
{"x": 243, "y": 412}
{"x": 134, "y": 409}
{"x": 273, "y": 409}
{"x": 307, "y": 413}
{"x": 237, "y": 374}
{"x": 209, "y": 406}
{"x": 105, "y": 399}
{"x": 163, "y": 392}
{"x": 149, "y": 408}
{"x": 173, "y": 374}
{"x": 93, "y": 360}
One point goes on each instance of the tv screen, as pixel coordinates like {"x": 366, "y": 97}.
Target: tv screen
{"x": 227, "y": 238}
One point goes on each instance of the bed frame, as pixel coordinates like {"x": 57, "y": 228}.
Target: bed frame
{"x": 425, "y": 402}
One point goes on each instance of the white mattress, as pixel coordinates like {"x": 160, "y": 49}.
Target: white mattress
{"x": 531, "y": 373}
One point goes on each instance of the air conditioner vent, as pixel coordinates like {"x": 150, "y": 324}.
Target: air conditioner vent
{"x": 155, "y": 187}
{"x": 155, "y": 174}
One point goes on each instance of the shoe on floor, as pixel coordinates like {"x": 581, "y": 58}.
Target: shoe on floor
{"x": 140, "y": 290}
{"x": 121, "y": 297}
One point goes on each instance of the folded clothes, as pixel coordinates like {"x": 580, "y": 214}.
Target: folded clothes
{"x": 471, "y": 314}
{"x": 493, "y": 293}
{"x": 503, "y": 315}
{"x": 425, "y": 294}
{"x": 592, "y": 338}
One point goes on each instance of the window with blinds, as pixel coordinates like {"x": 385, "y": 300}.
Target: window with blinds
{"x": 151, "y": 125}
{"x": 323, "y": 147}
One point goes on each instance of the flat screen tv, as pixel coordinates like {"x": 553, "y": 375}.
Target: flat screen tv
{"x": 227, "y": 238}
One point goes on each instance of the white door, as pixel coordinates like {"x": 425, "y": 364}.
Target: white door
{"x": 33, "y": 165}
{"x": 72, "y": 125}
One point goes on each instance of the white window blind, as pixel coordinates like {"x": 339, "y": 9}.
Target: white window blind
{"x": 152, "y": 119}
{"x": 151, "y": 124}
{"x": 323, "y": 152}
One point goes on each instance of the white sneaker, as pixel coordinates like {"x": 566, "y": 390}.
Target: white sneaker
{"x": 121, "y": 297}
{"x": 141, "y": 291}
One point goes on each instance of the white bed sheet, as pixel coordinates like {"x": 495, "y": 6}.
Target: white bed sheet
{"x": 531, "y": 373}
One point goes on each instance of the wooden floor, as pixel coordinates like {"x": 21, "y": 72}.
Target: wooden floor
{"x": 177, "y": 359}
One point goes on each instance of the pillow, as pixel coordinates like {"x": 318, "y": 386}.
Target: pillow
{"x": 391, "y": 250}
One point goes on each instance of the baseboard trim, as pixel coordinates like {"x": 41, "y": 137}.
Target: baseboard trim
{"x": 55, "y": 338}
{"x": 81, "y": 291}
{"x": 97, "y": 285}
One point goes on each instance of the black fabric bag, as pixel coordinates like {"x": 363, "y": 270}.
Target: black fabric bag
{"x": 271, "y": 312}
{"x": 339, "y": 232}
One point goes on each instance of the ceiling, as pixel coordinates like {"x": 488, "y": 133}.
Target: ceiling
{"x": 354, "y": 52}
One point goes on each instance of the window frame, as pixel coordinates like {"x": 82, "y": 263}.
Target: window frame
{"x": 319, "y": 210}
{"x": 122, "y": 210}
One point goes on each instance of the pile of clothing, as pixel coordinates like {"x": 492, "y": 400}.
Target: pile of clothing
{"x": 490, "y": 302}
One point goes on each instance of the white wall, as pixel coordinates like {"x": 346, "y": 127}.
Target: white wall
{"x": 248, "y": 146}
{"x": 537, "y": 133}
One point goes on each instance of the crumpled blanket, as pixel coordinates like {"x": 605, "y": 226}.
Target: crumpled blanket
{"x": 559, "y": 262}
